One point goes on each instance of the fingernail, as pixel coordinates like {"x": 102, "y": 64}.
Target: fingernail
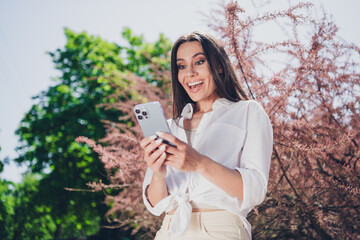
{"x": 158, "y": 141}
{"x": 159, "y": 133}
{"x": 153, "y": 137}
{"x": 162, "y": 148}
{"x": 162, "y": 155}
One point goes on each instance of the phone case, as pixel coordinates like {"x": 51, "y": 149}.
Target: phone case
{"x": 151, "y": 119}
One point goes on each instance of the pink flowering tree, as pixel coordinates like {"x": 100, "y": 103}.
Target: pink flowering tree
{"x": 122, "y": 155}
{"x": 309, "y": 84}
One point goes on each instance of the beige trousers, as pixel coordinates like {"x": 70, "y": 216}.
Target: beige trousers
{"x": 219, "y": 225}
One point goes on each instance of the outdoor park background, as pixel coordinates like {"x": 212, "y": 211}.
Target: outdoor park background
{"x": 30, "y": 29}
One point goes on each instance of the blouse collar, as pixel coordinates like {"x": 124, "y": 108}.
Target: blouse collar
{"x": 188, "y": 110}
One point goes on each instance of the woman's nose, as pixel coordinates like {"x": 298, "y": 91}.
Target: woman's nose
{"x": 190, "y": 71}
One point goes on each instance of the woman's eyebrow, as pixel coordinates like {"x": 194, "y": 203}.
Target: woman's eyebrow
{"x": 195, "y": 55}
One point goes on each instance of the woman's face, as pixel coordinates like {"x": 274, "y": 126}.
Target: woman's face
{"x": 194, "y": 72}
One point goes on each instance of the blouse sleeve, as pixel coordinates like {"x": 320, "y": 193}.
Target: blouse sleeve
{"x": 163, "y": 206}
{"x": 256, "y": 156}
{"x": 146, "y": 184}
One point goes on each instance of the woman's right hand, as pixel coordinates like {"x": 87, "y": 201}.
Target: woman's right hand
{"x": 154, "y": 155}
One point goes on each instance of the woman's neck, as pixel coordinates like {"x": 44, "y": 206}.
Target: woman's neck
{"x": 204, "y": 106}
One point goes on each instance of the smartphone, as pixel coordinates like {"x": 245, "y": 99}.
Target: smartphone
{"x": 151, "y": 119}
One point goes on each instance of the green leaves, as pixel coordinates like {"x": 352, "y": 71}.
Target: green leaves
{"x": 64, "y": 89}
{"x": 21, "y": 215}
{"x": 132, "y": 39}
{"x": 93, "y": 72}
{"x": 144, "y": 59}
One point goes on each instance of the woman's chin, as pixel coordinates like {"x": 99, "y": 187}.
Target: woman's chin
{"x": 195, "y": 97}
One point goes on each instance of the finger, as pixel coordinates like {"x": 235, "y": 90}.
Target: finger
{"x": 146, "y": 141}
{"x": 171, "y": 158}
{"x": 150, "y": 148}
{"x": 160, "y": 160}
{"x": 157, "y": 154}
{"x": 172, "y": 150}
{"x": 170, "y": 138}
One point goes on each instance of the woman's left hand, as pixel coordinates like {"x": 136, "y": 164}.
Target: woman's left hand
{"x": 183, "y": 157}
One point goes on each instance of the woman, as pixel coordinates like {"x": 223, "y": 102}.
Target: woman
{"x": 220, "y": 167}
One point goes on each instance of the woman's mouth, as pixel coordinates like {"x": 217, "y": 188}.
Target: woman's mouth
{"x": 195, "y": 86}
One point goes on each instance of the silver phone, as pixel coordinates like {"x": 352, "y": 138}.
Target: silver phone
{"x": 151, "y": 119}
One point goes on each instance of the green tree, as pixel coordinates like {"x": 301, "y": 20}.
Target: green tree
{"x": 148, "y": 60}
{"x": 31, "y": 218}
{"x": 72, "y": 108}
{"x": 21, "y": 216}
{"x": 6, "y": 209}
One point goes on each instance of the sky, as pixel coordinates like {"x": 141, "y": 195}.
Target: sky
{"x": 30, "y": 29}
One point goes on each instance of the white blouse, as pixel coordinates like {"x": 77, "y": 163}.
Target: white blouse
{"x": 236, "y": 134}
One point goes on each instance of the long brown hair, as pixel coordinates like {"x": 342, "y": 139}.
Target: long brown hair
{"x": 227, "y": 84}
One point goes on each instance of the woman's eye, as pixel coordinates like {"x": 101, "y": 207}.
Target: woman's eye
{"x": 199, "y": 62}
{"x": 181, "y": 66}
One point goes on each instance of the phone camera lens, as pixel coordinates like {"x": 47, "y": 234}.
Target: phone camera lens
{"x": 137, "y": 111}
{"x": 140, "y": 117}
{"x": 144, "y": 113}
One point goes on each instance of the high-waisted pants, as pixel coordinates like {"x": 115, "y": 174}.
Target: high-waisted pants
{"x": 219, "y": 225}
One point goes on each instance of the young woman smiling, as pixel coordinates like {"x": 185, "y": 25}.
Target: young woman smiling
{"x": 219, "y": 170}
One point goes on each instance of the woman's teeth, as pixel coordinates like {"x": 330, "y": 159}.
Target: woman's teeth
{"x": 195, "y": 83}
{"x": 195, "y": 87}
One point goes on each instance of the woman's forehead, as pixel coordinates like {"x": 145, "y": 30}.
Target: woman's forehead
{"x": 189, "y": 49}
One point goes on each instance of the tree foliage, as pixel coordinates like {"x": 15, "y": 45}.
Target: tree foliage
{"x": 6, "y": 209}
{"x": 90, "y": 68}
{"x": 123, "y": 160}
{"x": 21, "y": 216}
{"x": 312, "y": 98}
{"x": 122, "y": 156}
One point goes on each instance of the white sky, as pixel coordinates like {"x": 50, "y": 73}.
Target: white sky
{"x": 28, "y": 29}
